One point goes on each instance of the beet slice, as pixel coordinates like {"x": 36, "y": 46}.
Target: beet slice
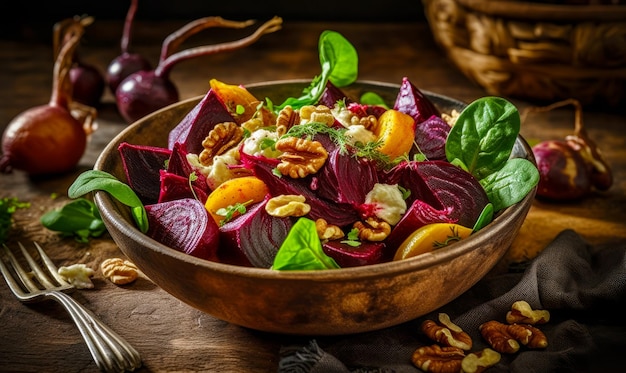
{"x": 141, "y": 165}
{"x": 254, "y": 237}
{"x": 179, "y": 165}
{"x": 184, "y": 225}
{"x": 412, "y": 101}
{"x": 366, "y": 253}
{"x": 197, "y": 124}
{"x": 430, "y": 137}
{"x": 174, "y": 187}
{"x": 331, "y": 95}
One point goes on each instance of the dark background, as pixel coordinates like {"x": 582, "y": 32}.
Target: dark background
{"x": 34, "y": 19}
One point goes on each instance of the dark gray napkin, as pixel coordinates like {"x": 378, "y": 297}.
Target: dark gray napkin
{"x": 583, "y": 287}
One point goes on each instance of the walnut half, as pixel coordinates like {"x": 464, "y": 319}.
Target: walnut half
{"x": 119, "y": 271}
{"x": 447, "y": 333}
{"x": 301, "y": 157}
{"x": 521, "y": 312}
{"x": 437, "y": 359}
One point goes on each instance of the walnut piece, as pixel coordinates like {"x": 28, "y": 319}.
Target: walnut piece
{"x": 477, "y": 362}
{"x": 287, "y": 118}
{"x": 507, "y": 338}
{"x": 287, "y": 205}
{"x": 522, "y": 313}
{"x": 327, "y": 231}
{"x": 447, "y": 333}
{"x": 317, "y": 114}
{"x": 437, "y": 359}
{"x": 372, "y": 229}
{"x": 221, "y": 138}
{"x": 119, "y": 271}
{"x": 301, "y": 157}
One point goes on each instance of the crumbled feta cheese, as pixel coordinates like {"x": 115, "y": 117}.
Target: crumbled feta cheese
{"x": 253, "y": 145}
{"x": 390, "y": 206}
{"x": 358, "y": 133}
{"x": 78, "y": 275}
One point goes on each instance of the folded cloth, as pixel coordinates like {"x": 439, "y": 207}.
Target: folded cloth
{"x": 583, "y": 287}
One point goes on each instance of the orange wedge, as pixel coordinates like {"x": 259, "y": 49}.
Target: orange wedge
{"x": 396, "y": 131}
{"x": 245, "y": 190}
{"x": 431, "y": 237}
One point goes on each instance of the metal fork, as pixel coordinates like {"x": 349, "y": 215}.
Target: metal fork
{"x": 110, "y": 351}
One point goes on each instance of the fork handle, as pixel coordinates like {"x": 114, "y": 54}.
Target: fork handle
{"x": 110, "y": 351}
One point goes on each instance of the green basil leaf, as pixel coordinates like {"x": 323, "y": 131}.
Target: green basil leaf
{"x": 483, "y": 136}
{"x": 93, "y": 180}
{"x": 511, "y": 183}
{"x": 302, "y": 249}
{"x": 339, "y": 58}
{"x": 79, "y": 218}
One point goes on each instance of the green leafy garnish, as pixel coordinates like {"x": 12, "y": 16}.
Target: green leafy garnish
{"x": 352, "y": 238}
{"x": 93, "y": 180}
{"x": 193, "y": 177}
{"x": 371, "y": 98}
{"x": 8, "y": 206}
{"x": 339, "y": 61}
{"x": 230, "y": 211}
{"x": 302, "y": 249}
{"x": 481, "y": 142}
{"x": 79, "y": 218}
{"x": 486, "y": 216}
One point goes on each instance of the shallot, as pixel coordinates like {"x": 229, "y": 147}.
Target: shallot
{"x": 146, "y": 91}
{"x": 48, "y": 139}
{"x": 126, "y": 63}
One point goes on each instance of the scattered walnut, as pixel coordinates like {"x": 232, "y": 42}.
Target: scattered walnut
{"x": 287, "y": 205}
{"x": 369, "y": 122}
{"x": 450, "y": 118}
{"x": 119, "y": 271}
{"x": 437, "y": 359}
{"x": 78, "y": 275}
{"x": 447, "y": 333}
{"x": 372, "y": 229}
{"x": 221, "y": 138}
{"x": 301, "y": 157}
{"x": 287, "y": 118}
{"x": 327, "y": 231}
{"x": 506, "y": 338}
{"x": 477, "y": 362}
{"x": 317, "y": 114}
{"x": 521, "y": 312}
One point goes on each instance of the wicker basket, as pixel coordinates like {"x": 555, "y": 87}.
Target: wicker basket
{"x": 536, "y": 51}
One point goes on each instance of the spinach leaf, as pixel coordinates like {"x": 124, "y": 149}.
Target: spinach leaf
{"x": 339, "y": 61}
{"x": 92, "y": 180}
{"x": 483, "y": 136}
{"x": 372, "y": 98}
{"x": 511, "y": 183}
{"x": 486, "y": 216}
{"x": 302, "y": 249}
{"x": 79, "y": 218}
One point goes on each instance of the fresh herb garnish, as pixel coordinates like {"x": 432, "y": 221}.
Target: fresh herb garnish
{"x": 352, "y": 238}
{"x": 302, "y": 249}
{"x": 229, "y": 212}
{"x": 79, "y": 218}
{"x": 339, "y": 61}
{"x": 8, "y": 206}
{"x": 93, "y": 180}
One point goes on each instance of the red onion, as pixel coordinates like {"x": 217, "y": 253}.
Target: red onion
{"x": 126, "y": 63}
{"x": 146, "y": 91}
{"x": 48, "y": 139}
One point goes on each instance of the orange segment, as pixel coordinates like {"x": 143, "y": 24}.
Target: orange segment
{"x": 245, "y": 190}
{"x": 234, "y": 96}
{"x": 431, "y": 237}
{"x": 396, "y": 131}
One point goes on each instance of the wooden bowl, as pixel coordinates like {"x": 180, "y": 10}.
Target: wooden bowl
{"x": 325, "y": 302}
{"x": 536, "y": 50}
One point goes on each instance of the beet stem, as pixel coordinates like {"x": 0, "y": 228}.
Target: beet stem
{"x": 128, "y": 25}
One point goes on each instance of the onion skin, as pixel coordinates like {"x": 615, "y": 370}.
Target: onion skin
{"x": 45, "y": 139}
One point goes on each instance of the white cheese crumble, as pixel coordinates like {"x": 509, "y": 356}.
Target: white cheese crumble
{"x": 390, "y": 206}
{"x": 78, "y": 275}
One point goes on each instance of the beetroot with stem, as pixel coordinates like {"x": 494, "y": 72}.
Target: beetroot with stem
{"x": 48, "y": 139}
{"x": 87, "y": 80}
{"x": 146, "y": 91}
{"x": 126, "y": 63}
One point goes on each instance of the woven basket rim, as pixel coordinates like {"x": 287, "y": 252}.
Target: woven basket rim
{"x": 543, "y": 12}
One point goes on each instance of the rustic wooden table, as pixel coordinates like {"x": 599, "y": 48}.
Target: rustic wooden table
{"x": 170, "y": 335}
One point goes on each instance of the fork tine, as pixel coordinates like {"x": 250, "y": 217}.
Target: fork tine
{"x": 51, "y": 267}
{"x": 41, "y": 276}
{"x": 16, "y": 288}
{"x": 21, "y": 272}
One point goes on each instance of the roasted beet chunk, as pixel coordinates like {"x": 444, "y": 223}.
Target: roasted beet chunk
{"x": 142, "y": 164}
{"x": 412, "y": 101}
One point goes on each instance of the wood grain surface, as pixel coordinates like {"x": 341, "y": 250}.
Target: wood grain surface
{"x": 170, "y": 335}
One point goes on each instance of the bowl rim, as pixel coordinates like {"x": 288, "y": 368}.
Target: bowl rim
{"x": 109, "y": 208}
